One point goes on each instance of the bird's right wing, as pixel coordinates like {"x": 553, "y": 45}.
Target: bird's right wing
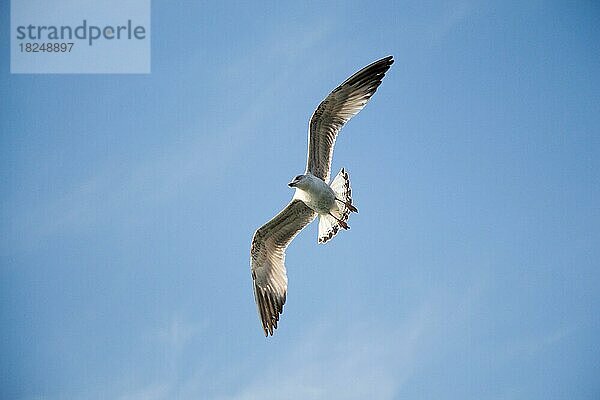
{"x": 267, "y": 260}
{"x": 343, "y": 103}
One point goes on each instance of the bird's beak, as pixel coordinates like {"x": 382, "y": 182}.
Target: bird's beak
{"x": 292, "y": 184}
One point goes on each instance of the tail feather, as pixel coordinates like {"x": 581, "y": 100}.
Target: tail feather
{"x": 351, "y": 207}
{"x": 329, "y": 225}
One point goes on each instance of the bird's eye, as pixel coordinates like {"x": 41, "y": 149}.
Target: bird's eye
{"x": 298, "y": 177}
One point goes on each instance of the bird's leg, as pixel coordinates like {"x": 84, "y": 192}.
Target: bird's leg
{"x": 342, "y": 223}
{"x": 349, "y": 205}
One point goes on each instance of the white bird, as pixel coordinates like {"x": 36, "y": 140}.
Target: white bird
{"x": 313, "y": 196}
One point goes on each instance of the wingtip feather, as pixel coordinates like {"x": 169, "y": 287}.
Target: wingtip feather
{"x": 270, "y": 307}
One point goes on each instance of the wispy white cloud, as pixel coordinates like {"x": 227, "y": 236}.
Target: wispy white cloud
{"x": 177, "y": 333}
{"x": 364, "y": 363}
{"x": 368, "y": 360}
{"x": 117, "y": 192}
{"x": 370, "y": 357}
{"x": 373, "y": 358}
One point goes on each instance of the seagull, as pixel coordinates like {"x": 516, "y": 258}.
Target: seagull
{"x": 313, "y": 194}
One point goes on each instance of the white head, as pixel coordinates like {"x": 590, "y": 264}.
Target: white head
{"x": 300, "y": 181}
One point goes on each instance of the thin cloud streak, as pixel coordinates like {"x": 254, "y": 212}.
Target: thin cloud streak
{"x": 371, "y": 359}
{"x": 119, "y": 192}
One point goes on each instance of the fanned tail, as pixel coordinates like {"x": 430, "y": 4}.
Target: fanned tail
{"x": 330, "y": 225}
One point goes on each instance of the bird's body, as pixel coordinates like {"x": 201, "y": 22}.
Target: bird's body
{"x": 314, "y": 196}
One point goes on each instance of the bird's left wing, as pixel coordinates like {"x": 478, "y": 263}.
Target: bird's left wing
{"x": 267, "y": 260}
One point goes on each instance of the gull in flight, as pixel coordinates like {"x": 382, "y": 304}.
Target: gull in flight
{"x": 313, "y": 195}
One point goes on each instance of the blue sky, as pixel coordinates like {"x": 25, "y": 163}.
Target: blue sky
{"x": 128, "y": 203}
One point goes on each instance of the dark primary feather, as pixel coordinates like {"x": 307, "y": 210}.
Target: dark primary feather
{"x": 343, "y": 103}
{"x": 267, "y": 260}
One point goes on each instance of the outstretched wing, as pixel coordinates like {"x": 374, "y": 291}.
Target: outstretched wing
{"x": 342, "y": 104}
{"x": 267, "y": 260}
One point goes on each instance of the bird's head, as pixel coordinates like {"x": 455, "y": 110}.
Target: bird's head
{"x": 297, "y": 181}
